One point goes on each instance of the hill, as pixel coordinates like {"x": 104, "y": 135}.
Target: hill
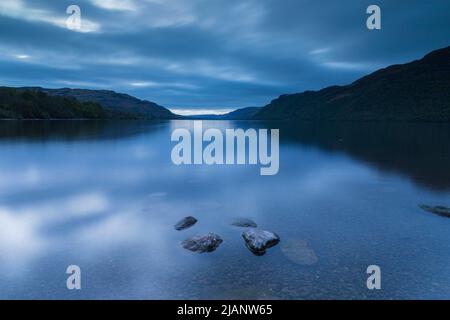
{"x": 119, "y": 105}
{"x": 415, "y": 91}
{"x": 31, "y": 104}
{"x": 239, "y": 114}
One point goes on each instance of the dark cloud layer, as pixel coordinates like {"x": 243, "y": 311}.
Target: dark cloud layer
{"x": 211, "y": 53}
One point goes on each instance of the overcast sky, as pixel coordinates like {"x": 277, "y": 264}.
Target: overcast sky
{"x": 211, "y": 54}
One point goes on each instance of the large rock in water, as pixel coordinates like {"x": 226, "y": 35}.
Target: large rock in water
{"x": 185, "y": 223}
{"x": 257, "y": 240}
{"x": 439, "y": 210}
{"x": 201, "y": 244}
{"x": 244, "y": 223}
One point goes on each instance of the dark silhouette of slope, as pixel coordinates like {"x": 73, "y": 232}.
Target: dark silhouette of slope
{"x": 415, "y": 91}
{"x": 120, "y": 105}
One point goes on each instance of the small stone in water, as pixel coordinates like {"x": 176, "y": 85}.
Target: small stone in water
{"x": 243, "y": 222}
{"x": 185, "y": 223}
{"x": 257, "y": 240}
{"x": 201, "y": 244}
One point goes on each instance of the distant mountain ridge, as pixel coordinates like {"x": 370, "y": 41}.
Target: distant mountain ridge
{"x": 120, "y": 105}
{"x": 238, "y": 114}
{"x": 32, "y": 104}
{"x": 415, "y": 91}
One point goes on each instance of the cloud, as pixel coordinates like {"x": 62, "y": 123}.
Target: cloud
{"x": 207, "y": 69}
{"x": 204, "y": 54}
{"x": 348, "y": 65}
{"x": 20, "y": 10}
{"x": 320, "y": 51}
{"x": 152, "y": 84}
{"x": 120, "y": 5}
{"x": 22, "y": 56}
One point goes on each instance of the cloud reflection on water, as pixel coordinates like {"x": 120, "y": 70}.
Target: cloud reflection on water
{"x": 112, "y": 212}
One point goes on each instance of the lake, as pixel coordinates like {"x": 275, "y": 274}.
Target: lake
{"x": 105, "y": 196}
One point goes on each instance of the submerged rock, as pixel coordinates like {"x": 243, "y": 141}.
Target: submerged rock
{"x": 439, "y": 210}
{"x": 243, "y": 222}
{"x": 201, "y": 244}
{"x": 185, "y": 223}
{"x": 257, "y": 240}
{"x": 299, "y": 251}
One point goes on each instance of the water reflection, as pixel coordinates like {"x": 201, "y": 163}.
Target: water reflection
{"x": 105, "y": 196}
{"x": 417, "y": 150}
{"x": 74, "y": 130}
{"x": 420, "y": 151}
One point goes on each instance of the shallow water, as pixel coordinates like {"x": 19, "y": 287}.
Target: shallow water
{"x": 105, "y": 196}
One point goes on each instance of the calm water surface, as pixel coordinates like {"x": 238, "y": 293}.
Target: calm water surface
{"x": 105, "y": 196}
